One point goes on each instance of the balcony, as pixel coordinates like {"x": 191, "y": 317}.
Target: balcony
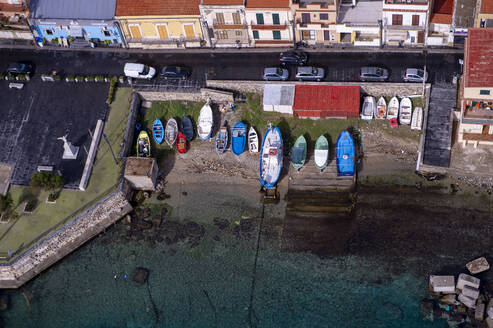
{"x": 312, "y": 25}
{"x": 227, "y": 26}
{"x": 312, "y": 5}
{"x": 256, "y": 26}
{"x": 170, "y": 41}
{"x": 406, "y": 2}
{"x": 13, "y": 8}
{"x": 478, "y": 112}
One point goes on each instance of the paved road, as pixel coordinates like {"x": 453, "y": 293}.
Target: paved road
{"x": 341, "y": 66}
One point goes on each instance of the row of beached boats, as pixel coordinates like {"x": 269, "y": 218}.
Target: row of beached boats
{"x": 403, "y": 111}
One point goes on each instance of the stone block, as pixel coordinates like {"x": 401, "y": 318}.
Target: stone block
{"x": 478, "y": 265}
{"x": 448, "y": 299}
{"x": 489, "y": 322}
{"x": 442, "y": 284}
{"x": 470, "y": 292}
{"x": 489, "y": 308}
{"x": 469, "y": 302}
{"x": 479, "y": 314}
{"x": 465, "y": 279}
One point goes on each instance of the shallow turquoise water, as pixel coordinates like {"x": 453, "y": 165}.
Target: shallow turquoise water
{"x": 210, "y": 285}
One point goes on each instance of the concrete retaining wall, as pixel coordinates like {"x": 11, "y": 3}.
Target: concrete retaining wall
{"x": 367, "y": 88}
{"x": 129, "y": 131}
{"x": 197, "y": 96}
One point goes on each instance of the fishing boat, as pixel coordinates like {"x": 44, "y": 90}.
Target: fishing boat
{"x": 405, "y": 110}
{"x": 181, "y": 143}
{"x": 239, "y": 138}
{"x": 271, "y": 155}
{"x": 417, "y": 120}
{"x": 222, "y": 140}
{"x": 381, "y": 109}
{"x": 369, "y": 108}
{"x": 171, "y": 132}
{"x": 345, "y": 154}
{"x": 321, "y": 152}
{"x": 143, "y": 145}
{"x": 393, "y": 108}
{"x": 158, "y": 131}
{"x": 187, "y": 127}
{"x": 252, "y": 140}
{"x": 298, "y": 153}
{"x": 205, "y": 123}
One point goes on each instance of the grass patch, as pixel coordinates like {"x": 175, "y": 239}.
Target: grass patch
{"x": 21, "y": 233}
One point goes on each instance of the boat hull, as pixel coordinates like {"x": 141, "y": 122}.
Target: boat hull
{"x": 143, "y": 145}
{"x": 298, "y": 153}
{"x": 270, "y": 167}
{"x": 321, "y": 154}
{"x": 171, "y": 132}
{"x": 187, "y": 128}
{"x": 345, "y": 154}
{"x": 181, "y": 143}
{"x": 252, "y": 140}
{"x": 158, "y": 131}
{"x": 417, "y": 120}
{"x": 405, "y": 110}
{"x": 238, "y": 138}
{"x": 205, "y": 123}
{"x": 393, "y": 108}
{"x": 222, "y": 140}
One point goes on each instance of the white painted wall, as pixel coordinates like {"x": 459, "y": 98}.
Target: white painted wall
{"x": 407, "y": 17}
{"x": 284, "y": 16}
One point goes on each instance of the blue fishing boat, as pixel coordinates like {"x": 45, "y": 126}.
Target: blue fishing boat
{"x": 222, "y": 139}
{"x": 158, "y": 131}
{"x": 187, "y": 127}
{"x": 238, "y": 141}
{"x": 345, "y": 154}
{"x": 271, "y": 156}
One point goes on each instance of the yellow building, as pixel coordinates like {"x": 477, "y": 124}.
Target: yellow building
{"x": 160, "y": 23}
{"x": 484, "y": 17}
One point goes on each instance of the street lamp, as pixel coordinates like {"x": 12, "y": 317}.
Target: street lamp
{"x": 381, "y": 32}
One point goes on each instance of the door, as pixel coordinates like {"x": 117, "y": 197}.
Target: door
{"x": 236, "y": 18}
{"x": 486, "y": 130}
{"x": 260, "y": 19}
{"x": 189, "y": 33}
{"x": 220, "y": 18}
{"x": 396, "y": 19}
{"x": 421, "y": 37}
{"x": 415, "y": 20}
{"x": 305, "y": 18}
{"x": 135, "y": 31}
{"x": 163, "y": 32}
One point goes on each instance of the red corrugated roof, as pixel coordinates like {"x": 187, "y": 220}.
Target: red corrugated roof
{"x": 267, "y": 3}
{"x": 487, "y": 6}
{"x": 157, "y": 7}
{"x": 223, "y": 2}
{"x": 442, "y": 12}
{"x": 441, "y": 19}
{"x": 326, "y": 101}
{"x": 479, "y": 58}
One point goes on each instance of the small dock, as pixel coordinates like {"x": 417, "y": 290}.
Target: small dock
{"x": 319, "y": 208}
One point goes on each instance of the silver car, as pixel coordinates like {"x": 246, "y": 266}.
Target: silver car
{"x": 371, "y": 74}
{"x": 309, "y": 73}
{"x": 415, "y": 75}
{"x": 275, "y": 74}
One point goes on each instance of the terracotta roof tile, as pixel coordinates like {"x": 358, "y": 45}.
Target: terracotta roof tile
{"x": 487, "y": 6}
{"x": 223, "y": 2}
{"x": 441, "y": 19}
{"x": 479, "y": 58}
{"x": 443, "y": 7}
{"x": 157, "y": 7}
{"x": 267, "y": 3}
{"x": 326, "y": 101}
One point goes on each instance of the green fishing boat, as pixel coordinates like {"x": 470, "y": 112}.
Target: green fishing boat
{"x": 298, "y": 153}
{"x": 321, "y": 152}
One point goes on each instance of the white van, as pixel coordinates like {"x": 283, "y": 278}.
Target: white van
{"x": 139, "y": 71}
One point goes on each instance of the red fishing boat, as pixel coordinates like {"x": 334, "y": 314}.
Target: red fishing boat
{"x": 181, "y": 143}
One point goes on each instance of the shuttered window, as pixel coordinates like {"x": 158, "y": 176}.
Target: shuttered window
{"x": 135, "y": 31}
{"x": 189, "y": 33}
{"x": 236, "y": 19}
{"x": 255, "y": 35}
{"x": 396, "y": 19}
{"x": 326, "y": 35}
{"x": 260, "y": 19}
{"x": 163, "y": 32}
{"x": 305, "y": 18}
{"x": 415, "y": 20}
{"x": 276, "y": 35}
{"x": 220, "y": 18}
{"x": 275, "y": 19}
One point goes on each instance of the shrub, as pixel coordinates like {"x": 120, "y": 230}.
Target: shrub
{"x": 71, "y": 38}
{"x": 10, "y": 77}
{"x": 111, "y": 92}
{"x": 89, "y": 78}
{"x": 107, "y": 42}
{"x": 53, "y": 196}
{"x": 6, "y": 202}
{"x": 54, "y": 41}
{"x": 2, "y": 76}
{"x": 47, "y": 180}
{"x": 79, "y": 78}
{"x": 31, "y": 205}
{"x": 99, "y": 77}
{"x": 57, "y": 77}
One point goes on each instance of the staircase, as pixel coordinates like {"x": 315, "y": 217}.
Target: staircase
{"x": 319, "y": 208}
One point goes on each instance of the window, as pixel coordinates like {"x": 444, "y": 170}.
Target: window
{"x": 107, "y": 33}
{"x": 305, "y": 18}
{"x": 236, "y": 19}
{"x": 189, "y": 31}
{"x": 220, "y": 18}
{"x": 415, "y": 20}
{"x": 276, "y": 35}
{"x": 49, "y": 31}
{"x": 255, "y": 35}
{"x": 260, "y": 19}
{"x": 326, "y": 35}
{"x": 162, "y": 31}
{"x": 222, "y": 35}
{"x": 135, "y": 31}
{"x": 275, "y": 19}
{"x": 239, "y": 33}
{"x": 396, "y": 19}
{"x": 308, "y": 34}
{"x": 324, "y": 16}
{"x": 484, "y": 92}
{"x": 312, "y": 35}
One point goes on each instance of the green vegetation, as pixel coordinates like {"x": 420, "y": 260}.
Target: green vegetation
{"x": 89, "y": 78}
{"x": 70, "y": 78}
{"x": 47, "y": 181}
{"x": 6, "y": 202}
{"x": 21, "y": 232}
{"x": 111, "y": 92}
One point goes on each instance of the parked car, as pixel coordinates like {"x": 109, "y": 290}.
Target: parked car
{"x": 415, "y": 75}
{"x": 175, "y": 73}
{"x": 19, "y": 68}
{"x": 293, "y": 58}
{"x": 310, "y": 73}
{"x": 275, "y": 74}
{"x": 370, "y": 74}
{"x": 139, "y": 71}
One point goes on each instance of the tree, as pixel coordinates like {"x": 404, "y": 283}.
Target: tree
{"x": 6, "y": 202}
{"x": 47, "y": 180}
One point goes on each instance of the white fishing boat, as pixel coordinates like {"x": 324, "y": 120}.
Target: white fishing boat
{"x": 205, "y": 123}
{"x": 393, "y": 108}
{"x": 252, "y": 140}
{"x": 171, "y": 132}
{"x": 271, "y": 156}
{"x": 381, "y": 109}
{"x": 405, "y": 110}
{"x": 417, "y": 120}
{"x": 368, "y": 109}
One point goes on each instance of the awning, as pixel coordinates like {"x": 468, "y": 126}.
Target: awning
{"x": 396, "y": 35}
{"x": 75, "y": 31}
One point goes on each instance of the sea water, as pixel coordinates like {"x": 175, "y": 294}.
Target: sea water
{"x": 224, "y": 280}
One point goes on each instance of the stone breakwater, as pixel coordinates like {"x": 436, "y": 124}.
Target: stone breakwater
{"x": 65, "y": 240}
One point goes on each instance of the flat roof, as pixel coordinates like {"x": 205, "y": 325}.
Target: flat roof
{"x": 487, "y": 6}
{"x": 139, "y": 166}
{"x": 73, "y": 9}
{"x": 478, "y": 64}
{"x": 278, "y": 94}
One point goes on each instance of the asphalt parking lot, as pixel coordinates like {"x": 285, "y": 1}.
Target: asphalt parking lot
{"x": 33, "y": 118}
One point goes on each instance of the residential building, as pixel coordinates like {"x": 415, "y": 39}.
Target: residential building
{"x": 359, "y": 23}
{"x": 224, "y": 23}
{"x": 270, "y": 22}
{"x": 313, "y": 19}
{"x": 463, "y": 19}
{"x": 484, "y": 16}
{"x": 476, "y": 124}
{"x": 160, "y": 23}
{"x": 75, "y": 23}
{"x": 405, "y": 21}
{"x": 13, "y": 20}
{"x": 440, "y": 29}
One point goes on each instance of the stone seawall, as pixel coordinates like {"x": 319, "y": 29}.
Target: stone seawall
{"x": 367, "y": 88}
{"x": 66, "y": 239}
{"x": 197, "y": 96}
